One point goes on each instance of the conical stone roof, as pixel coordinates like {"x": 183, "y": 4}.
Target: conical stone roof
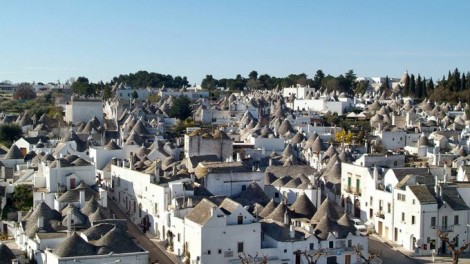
{"x": 303, "y": 207}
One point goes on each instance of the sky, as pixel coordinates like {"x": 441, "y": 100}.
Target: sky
{"x": 47, "y": 41}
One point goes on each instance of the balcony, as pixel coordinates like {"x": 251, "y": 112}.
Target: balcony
{"x": 353, "y": 190}
{"x": 380, "y": 214}
{"x": 447, "y": 228}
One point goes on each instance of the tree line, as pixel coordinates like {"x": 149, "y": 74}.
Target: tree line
{"x": 341, "y": 83}
{"x": 143, "y": 79}
{"x": 455, "y": 87}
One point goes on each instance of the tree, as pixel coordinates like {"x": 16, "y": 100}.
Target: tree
{"x": 343, "y": 136}
{"x": 412, "y": 86}
{"x": 107, "y": 92}
{"x": 22, "y": 197}
{"x": 361, "y": 87}
{"x": 82, "y": 86}
{"x": 24, "y": 91}
{"x": 253, "y": 75}
{"x": 452, "y": 246}
{"x": 9, "y": 133}
{"x": 181, "y": 108}
{"x": 253, "y": 84}
{"x": 209, "y": 83}
{"x": 318, "y": 79}
{"x": 370, "y": 256}
{"x": 248, "y": 259}
{"x": 312, "y": 258}
{"x": 134, "y": 94}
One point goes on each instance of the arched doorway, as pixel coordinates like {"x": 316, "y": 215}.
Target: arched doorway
{"x": 357, "y": 208}
{"x": 349, "y": 206}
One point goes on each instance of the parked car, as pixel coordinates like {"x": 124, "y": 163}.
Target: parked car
{"x": 359, "y": 225}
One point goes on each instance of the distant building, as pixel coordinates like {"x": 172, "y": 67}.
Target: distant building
{"x": 83, "y": 110}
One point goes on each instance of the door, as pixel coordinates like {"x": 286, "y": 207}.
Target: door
{"x": 357, "y": 208}
{"x": 331, "y": 260}
{"x": 380, "y": 228}
{"x": 72, "y": 183}
{"x": 347, "y": 259}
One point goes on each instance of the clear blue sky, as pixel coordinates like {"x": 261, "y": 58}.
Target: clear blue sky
{"x": 50, "y": 40}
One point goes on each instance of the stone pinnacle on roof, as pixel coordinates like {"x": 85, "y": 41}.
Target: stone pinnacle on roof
{"x": 14, "y": 153}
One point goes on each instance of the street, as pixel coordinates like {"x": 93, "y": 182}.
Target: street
{"x": 388, "y": 254}
{"x": 156, "y": 255}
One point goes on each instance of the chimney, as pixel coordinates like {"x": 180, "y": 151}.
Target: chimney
{"x": 292, "y": 231}
{"x": 376, "y": 174}
{"x": 212, "y": 211}
{"x": 20, "y": 216}
{"x": 131, "y": 161}
{"x": 174, "y": 170}
{"x": 318, "y": 196}
{"x": 239, "y": 157}
{"x": 270, "y": 162}
{"x": 82, "y": 198}
{"x": 40, "y": 222}
{"x": 69, "y": 221}
{"x": 440, "y": 191}
{"x": 190, "y": 202}
{"x": 286, "y": 217}
{"x": 193, "y": 177}
{"x": 157, "y": 178}
{"x": 104, "y": 197}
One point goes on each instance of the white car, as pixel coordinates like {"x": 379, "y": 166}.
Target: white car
{"x": 359, "y": 225}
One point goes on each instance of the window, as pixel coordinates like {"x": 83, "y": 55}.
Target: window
{"x": 395, "y": 163}
{"x": 312, "y": 246}
{"x": 208, "y": 252}
{"x": 413, "y": 201}
{"x": 349, "y": 243}
{"x": 389, "y": 208}
{"x": 444, "y": 221}
{"x": 240, "y": 247}
{"x": 276, "y": 195}
{"x": 401, "y": 197}
{"x": 219, "y": 251}
{"x": 331, "y": 244}
{"x": 240, "y": 219}
{"x": 433, "y": 221}
{"x": 456, "y": 219}
{"x": 412, "y": 219}
{"x": 403, "y": 217}
{"x": 371, "y": 200}
{"x": 243, "y": 187}
{"x": 285, "y": 250}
